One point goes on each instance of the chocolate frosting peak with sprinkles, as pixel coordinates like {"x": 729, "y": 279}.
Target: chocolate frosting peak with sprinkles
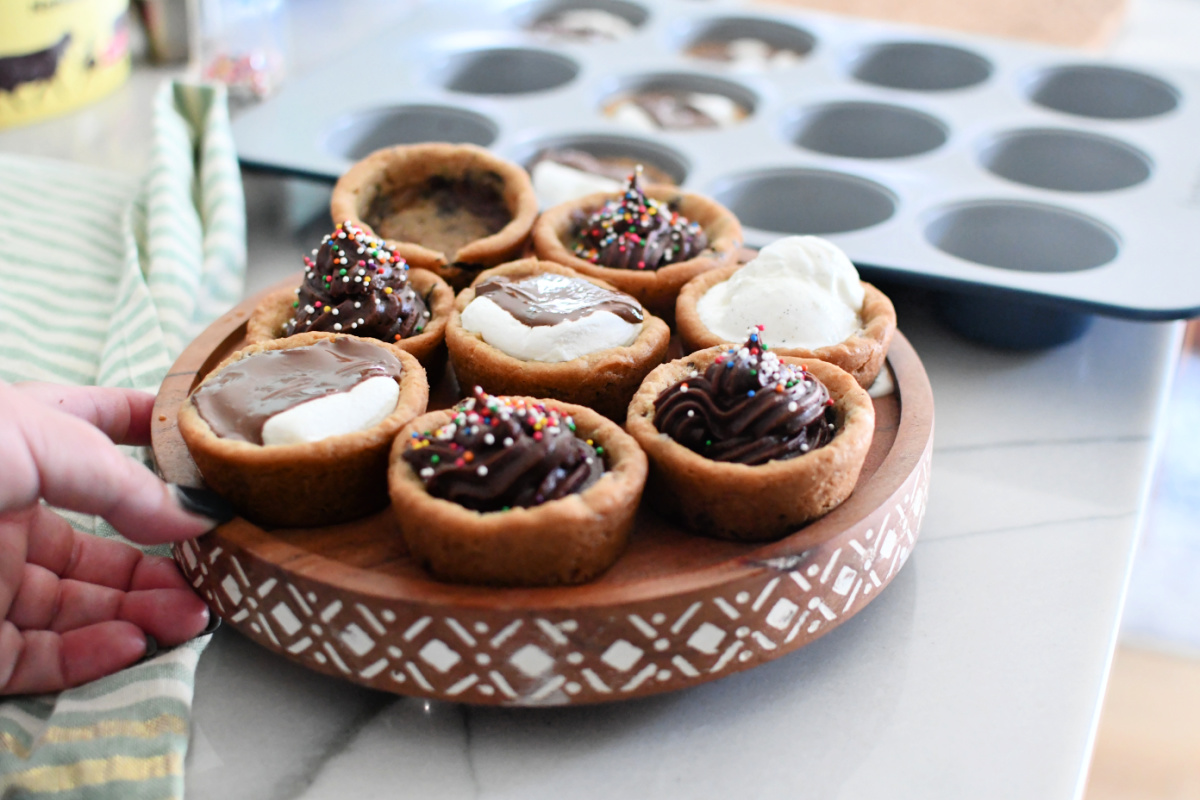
{"x": 748, "y": 407}
{"x": 356, "y": 284}
{"x": 499, "y": 453}
{"x": 637, "y": 232}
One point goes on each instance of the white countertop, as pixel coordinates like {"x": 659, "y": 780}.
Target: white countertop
{"x": 978, "y": 673}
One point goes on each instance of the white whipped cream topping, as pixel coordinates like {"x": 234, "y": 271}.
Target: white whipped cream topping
{"x": 364, "y": 406}
{"x": 802, "y": 289}
{"x": 565, "y": 341}
{"x": 556, "y": 183}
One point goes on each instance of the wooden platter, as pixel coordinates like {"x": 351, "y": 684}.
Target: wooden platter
{"x": 674, "y": 611}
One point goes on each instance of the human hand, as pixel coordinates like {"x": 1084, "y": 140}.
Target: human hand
{"x": 75, "y": 607}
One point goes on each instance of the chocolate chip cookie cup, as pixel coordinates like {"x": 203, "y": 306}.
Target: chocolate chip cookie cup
{"x": 862, "y": 354}
{"x": 271, "y": 316}
{"x": 759, "y": 502}
{"x": 604, "y": 379}
{"x": 808, "y": 295}
{"x": 563, "y": 234}
{"x": 565, "y": 539}
{"x": 304, "y": 484}
{"x": 451, "y": 209}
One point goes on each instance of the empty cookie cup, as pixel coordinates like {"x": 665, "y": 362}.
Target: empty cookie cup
{"x": 515, "y": 491}
{"x": 454, "y": 209}
{"x": 540, "y": 329}
{"x": 750, "y": 464}
{"x": 296, "y": 432}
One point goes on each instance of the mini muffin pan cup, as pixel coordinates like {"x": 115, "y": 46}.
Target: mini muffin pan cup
{"x": 989, "y": 168}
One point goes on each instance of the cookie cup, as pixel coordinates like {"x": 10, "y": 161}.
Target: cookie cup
{"x": 397, "y": 170}
{"x": 272, "y": 313}
{"x": 605, "y": 380}
{"x": 308, "y": 485}
{"x": 565, "y": 541}
{"x": 861, "y": 355}
{"x": 752, "y": 503}
{"x": 554, "y": 236}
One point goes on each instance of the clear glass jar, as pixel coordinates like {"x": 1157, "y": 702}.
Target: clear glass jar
{"x": 241, "y": 43}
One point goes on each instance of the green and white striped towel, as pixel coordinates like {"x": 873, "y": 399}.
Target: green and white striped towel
{"x": 106, "y": 279}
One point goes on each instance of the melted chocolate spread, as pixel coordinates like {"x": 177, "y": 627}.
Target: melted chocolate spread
{"x": 357, "y": 285}
{"x": 615, "y": 168}
{"x": 673, "y": 112}
{"x": 636, "y": 232}
{"x": 747, "y": 408}
{"x": 239, "y": 401}
{"x": 499, "y": 453}
{"x": 549, "y": 299}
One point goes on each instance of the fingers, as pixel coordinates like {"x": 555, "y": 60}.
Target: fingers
{"x": 55, "y": 545}
{"x": 171, "y": 616}
{"x": 52, "y": 543}
{"x": 70, "y": 463}
{"x": 44, "y": 602}
{"x": 122, "y": 414}
{"x": 36, "y": 662}
{"x": 72, "y": 580}
{"x": 13, "y": 546}
{"x": 158, "y": 572}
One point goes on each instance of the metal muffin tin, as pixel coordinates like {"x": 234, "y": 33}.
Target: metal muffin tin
{"x": 978, "y": 165}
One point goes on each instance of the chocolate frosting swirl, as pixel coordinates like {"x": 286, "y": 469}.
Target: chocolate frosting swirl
{"x": 239, "y": 400}
{"x": 501, "y": 452}
{"x": 637, "y": 232}
{"x": 747, "y": 408}
{"x": 550, "y": 298}
{"x": 357, "y": 285}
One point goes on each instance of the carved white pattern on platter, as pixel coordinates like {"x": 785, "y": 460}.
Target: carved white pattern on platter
{"x": 536, "y": 660}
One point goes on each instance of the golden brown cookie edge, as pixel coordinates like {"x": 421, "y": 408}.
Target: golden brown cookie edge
{"x": 357, "y": 188}
{"x": 605, "y": 380}
{"x": 564, "y": 541}
{"x": 654, "y": 289}
{"x": 753, "y": 503}
{"x": 273, "y": 311}
{"x": 304, "y": 485}
{"x": 862, "y": 354}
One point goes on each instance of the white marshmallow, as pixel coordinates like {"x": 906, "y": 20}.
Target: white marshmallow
{"x": 784, "y": 58}
{"x": 723, "y": 110}
{"x": 565, "y": 341}
{"x": 364, "y": 406}
{"x": 802, "y": 289}
{"x": 751, "y": 55}
{"x": 748, "y": 54}
{"x": 556, "y": 183}
{"x": 631, "y": 115}
{"x": 883, "y": 385}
